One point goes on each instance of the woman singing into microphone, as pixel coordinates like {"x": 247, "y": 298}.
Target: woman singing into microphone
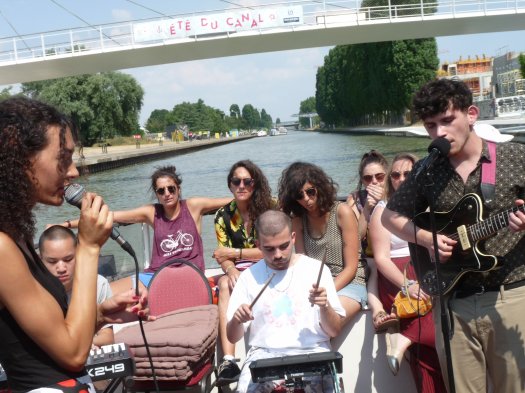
{"x": 44, "y": 343}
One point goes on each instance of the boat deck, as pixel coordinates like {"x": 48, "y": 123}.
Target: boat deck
{"x": 365, "y": 369}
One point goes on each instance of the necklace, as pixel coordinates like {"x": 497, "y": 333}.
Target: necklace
{"x": 323, "y": 222}
{"x": 279, "y": 276}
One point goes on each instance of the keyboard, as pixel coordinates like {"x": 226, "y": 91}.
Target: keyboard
{"x": 110, "y": 361}
{"x": 296, "y": 366}
{"x": 107, "y": 362}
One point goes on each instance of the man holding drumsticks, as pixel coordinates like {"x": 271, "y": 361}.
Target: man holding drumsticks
{"x": 282, "y": 321}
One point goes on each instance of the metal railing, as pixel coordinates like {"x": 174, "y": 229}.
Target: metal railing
{"x": 316, "y": 14}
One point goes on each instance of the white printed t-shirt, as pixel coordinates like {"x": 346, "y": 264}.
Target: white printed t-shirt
{"x": 284, "y": 319}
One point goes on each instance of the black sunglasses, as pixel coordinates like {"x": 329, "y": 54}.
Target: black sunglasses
{"x": 396, "y": 175}
{"x": 311, "y": 192}
{"x": 162, "y": 190}
{"x": 379, "y": 177}
{"x": 248, "y": 182}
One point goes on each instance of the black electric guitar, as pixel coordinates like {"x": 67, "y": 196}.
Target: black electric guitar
{"x": 464, "y": 224}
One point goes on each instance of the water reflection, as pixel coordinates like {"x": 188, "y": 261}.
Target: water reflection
{"x": 204, "y": 174}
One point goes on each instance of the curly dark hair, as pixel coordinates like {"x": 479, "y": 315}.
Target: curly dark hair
{"x": 24, "y": 124}
{"x": 165, "y": 171}
{"x": 436, "y": 96}
{"x": 372, "y": 157}
{"x": 389, "y": 190}
{"x": 261, "y": 199}
{"x": 292, "y": 180}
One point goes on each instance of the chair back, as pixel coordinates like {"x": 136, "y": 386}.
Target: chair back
{"x": 107, "y": 266}
{"x": 178, "y": 284}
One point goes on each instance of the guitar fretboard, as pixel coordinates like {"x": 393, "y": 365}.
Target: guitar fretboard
{"x": 494, "y": 223}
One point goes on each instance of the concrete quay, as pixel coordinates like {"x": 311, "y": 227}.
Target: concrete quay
{"x": 510, "y": 125}
{"x": 97, "y": 160}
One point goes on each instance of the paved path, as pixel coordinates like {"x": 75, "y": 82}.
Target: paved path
{"x": 116, "y": 156}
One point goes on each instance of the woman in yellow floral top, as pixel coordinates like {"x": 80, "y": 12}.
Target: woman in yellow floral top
{"x": 235, "y": 229}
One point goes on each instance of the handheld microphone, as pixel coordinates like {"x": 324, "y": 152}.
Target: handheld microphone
{"x": 439, "y": 147}
{"x": 73, "y": 195}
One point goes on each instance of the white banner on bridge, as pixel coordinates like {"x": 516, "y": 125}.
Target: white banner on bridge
{"x": 218, "y": 23}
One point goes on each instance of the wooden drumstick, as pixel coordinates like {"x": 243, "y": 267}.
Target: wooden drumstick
{"x": 262, "y": 290}
{"x": 321, "y": 270}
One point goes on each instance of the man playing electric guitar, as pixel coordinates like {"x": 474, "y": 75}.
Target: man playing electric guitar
{"x": 487, "y": 309}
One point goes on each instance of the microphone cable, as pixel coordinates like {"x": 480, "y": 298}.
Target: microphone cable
{"x": 73, "y": 195}
{"x": 417, "y": 270}
{"x": 141, "y": 325}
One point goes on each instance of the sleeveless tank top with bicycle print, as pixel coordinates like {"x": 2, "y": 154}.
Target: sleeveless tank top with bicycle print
{"x": 332, "y": 241}
{"x": 176, "y": 238}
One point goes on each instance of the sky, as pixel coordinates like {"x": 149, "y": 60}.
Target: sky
{"x": 276, "y": 81}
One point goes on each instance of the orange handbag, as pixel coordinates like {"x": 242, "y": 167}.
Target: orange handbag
{"x": 407, "y": 307}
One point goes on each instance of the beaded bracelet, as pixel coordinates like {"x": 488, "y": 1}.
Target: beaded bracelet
{"x": 404, "y": 288}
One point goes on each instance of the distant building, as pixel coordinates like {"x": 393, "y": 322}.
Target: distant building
{"x": 476, "y": 73}
{"x": 496, "y": 83}
{"x": 509, "y": 85}
{"x": 507, "y": 79}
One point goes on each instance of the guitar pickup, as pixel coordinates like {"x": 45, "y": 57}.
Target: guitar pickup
{"x": 463, "y": 238}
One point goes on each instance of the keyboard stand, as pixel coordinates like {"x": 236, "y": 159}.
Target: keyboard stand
{"x": 114, "y": 384}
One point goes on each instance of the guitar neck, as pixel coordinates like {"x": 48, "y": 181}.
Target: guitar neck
{"x": 494, "y": 223}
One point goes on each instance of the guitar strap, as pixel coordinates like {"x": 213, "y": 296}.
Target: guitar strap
{"x": 488, "y": 174}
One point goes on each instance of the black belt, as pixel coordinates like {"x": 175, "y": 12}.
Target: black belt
{"x": 465, "y": 291}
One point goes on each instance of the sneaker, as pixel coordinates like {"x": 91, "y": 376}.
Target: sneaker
{"x": 228, "y": 372}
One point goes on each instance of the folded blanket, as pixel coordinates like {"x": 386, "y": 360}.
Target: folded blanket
{"x": 169, "y": 371}
{"x": 180, "y": 342}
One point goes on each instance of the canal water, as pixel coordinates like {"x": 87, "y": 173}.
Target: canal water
{"x": 204, "y": 174}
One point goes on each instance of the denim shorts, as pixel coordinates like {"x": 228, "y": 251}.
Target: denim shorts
{"x": 144, "y": 278}
{"x": 357, "y": 292}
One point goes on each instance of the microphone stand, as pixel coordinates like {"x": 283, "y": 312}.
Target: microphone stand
{"x": 445, "y": 323}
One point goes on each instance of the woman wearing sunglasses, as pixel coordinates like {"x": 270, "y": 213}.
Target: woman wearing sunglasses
{"x": 235, "y": 230}
{"x": 176, "y": 224}
{"x": 370, "y": 189}
{"x": 325, "y": 229}
{"x": 391, "y": 255}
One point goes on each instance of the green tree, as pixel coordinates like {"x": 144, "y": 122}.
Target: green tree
{"x": 266, "y": 119}
{"x": 5, "y": 93}
{"x": 235, "y": 111}
{"x": 521, "y": 59}
{"x": 76, "y": 48}
{"x": 278, "y": 121}
{"x": 328, "y": 86}
{"x": 198, "y": 117}
{"x": 251, "y": 116}
{"x": 307, "y": 106}
{"x": 380, "y": 9}
{"x": 158, "y": 120}
{"x": 373, "y": 83}
{"x": 102, "y": 105}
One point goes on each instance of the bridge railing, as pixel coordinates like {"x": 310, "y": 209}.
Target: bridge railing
{"x": 118, "y": 36}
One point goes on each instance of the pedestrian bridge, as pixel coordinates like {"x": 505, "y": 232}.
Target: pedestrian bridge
{"x": 238, "y": 31}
